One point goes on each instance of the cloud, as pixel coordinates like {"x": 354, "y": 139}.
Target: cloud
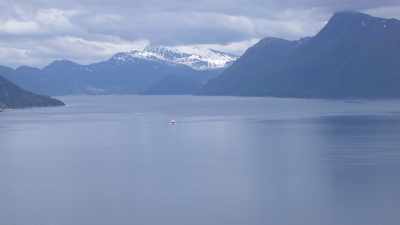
{"x": 39, "y": 53}
{"x": 41, "y": 22}
{"x": 75, "y": 47}
{"x": 55, "y": 19}
{"x": 235, "y": 48}
{"x": 388, "y": 12}
{"x": 15, "y": 27}
{"x": 11, "y": 56}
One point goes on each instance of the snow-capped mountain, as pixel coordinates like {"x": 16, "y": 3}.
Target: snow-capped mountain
{"x": 196, "y": 58}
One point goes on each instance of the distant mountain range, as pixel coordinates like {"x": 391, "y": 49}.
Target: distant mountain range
{"x": 154, "y": 70}
{"x": 354, "y": 55}
{"x": 12, "y": 96}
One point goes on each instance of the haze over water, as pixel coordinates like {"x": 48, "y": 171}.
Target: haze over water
{"x": 106, "y": 160}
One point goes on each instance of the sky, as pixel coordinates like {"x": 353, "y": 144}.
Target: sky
{"x": 36, "y": 32}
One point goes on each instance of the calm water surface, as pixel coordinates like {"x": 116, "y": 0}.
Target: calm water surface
{"x": 115, "y": 160}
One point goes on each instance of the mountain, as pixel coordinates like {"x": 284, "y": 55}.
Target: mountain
{"x": 126, "y": 73}
{"x": 196, "y": 58}
{"x": 181, "y": 84}
{"x": 5, "y": 70}
{"x": 12, "y": 96}
{"x": 354, "y": 55}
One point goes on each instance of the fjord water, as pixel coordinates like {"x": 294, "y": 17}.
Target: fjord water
{"x": 106, "y": 160}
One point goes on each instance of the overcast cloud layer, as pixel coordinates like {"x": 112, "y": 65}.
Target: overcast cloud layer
{"x": 35, "y": 32}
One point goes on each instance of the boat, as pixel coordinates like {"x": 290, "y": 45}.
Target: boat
{"x": 172, "y": 122}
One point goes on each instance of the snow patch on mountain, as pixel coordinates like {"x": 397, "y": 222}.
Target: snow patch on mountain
{"x": 196, "y": 58}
